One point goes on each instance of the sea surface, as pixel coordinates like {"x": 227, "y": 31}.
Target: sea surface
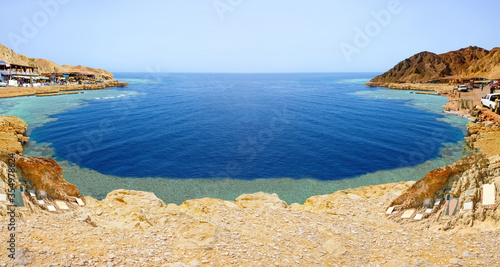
{"x": 187, "y": 136}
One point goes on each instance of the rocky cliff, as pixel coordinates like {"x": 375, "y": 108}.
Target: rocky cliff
{"x": 464, "y": 182}
{"x": 37, "y": 174}
{"x": 470, "y": 62}
{"x": 12, "y": 134}
{"x": 46, "y": 66}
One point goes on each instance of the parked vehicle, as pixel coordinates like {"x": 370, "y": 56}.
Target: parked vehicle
{"x": 463, "y": 88}
{"x": 3, "y": 84}
{"x": 489, "y": 100}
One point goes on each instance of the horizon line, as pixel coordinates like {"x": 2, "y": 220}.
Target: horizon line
{"x": 202, "y": 72}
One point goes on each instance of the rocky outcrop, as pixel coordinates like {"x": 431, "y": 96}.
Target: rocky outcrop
{"x": 433, "y": 184}
{"x": 485, "y": 136}
{"x": 458, "y": 185}
{"x": 470, "y": 62}
{"x": 43, "y": 186}
{"x": 47, "y": 175}
{"x": 12, "y": 134}
{"x": 126, "y": 209}
{"x": 46, "y": 66}
{"x": 36, "y": 174}
{"x": 331, "y": 203}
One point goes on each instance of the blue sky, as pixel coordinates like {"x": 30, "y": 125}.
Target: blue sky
{"x": 244, "y": 35}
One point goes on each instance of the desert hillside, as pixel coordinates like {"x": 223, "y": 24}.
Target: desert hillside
{"x": 470, "y": 62}
{"x": 46, "y": 66}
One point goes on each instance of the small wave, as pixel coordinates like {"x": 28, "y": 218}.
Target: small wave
{"x": 457, "y": 113}
{"x": 354, "y": 81}
{"x": 117, "y": 96}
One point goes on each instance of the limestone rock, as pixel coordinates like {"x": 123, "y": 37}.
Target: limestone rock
{"x": 334, "y": 203}
{"x": 127, "y": 209}
{"x": 24, "y": 257}
{"x": 12, "y": 130}
{"x": 122, "y": 197}
{"x": 435, "y": 181}
{"x": 258, "y": 200}
{"x": 462, "y": 180}
{"x": 197, "y": 235}
{"x": 47, "y": 175}
{"x": 205, "y": 206}
{"x": 485, "y": 136}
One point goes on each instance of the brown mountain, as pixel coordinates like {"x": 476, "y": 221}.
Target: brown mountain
{"x": 460, "y": 60}
{"x": 488, "y": 66}
{"x": 426, "y": 66}
{"x": 46, "y": 66}
{"x": 422, "y": 66}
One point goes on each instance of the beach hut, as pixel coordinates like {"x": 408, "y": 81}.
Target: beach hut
{"x": 4, "y": 72}
{"x": 450, "y": 79}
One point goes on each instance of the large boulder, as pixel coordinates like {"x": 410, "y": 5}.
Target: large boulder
{"x": 47, "y": 175}
{"x": 126, "y": 209}
{"x": 12, "y": 134}
{"x": 436, "y": 181}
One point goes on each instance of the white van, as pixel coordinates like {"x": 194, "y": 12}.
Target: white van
{"x": 489, "y": 100}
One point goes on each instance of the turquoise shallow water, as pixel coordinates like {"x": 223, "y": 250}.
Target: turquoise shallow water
{"x": 38, "y": 112}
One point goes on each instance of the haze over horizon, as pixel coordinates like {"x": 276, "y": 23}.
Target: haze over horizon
{"x": 243, "y": 36}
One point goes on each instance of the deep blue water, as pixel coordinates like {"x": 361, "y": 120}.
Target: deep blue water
{"x": 247, "y": 126}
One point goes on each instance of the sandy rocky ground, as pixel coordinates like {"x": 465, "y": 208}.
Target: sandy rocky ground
{"x": 136, "y": 229}
{"x": 346, "y": 228}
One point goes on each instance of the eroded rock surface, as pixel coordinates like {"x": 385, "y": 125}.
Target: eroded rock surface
{"x": 463, "y": 181}
{"x": 346, "y": 228}
{"x": 37, "y": 180}
{"x": 47, "y": 175}
{"x": 12, "y": 134}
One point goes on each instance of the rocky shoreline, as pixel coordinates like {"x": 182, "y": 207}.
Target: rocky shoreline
{"x": 348, "y": 227}
{"x": 412, "y": 86}
{"x": 55, "y": 90}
